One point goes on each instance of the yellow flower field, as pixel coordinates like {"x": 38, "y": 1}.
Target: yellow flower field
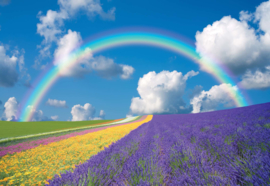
{"x": 35, "y": 166}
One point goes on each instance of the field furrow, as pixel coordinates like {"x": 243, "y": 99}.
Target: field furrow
{"x": 228, "y": 147}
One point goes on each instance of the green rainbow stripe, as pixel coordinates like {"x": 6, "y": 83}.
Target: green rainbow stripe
{"x": 45, "y": 81}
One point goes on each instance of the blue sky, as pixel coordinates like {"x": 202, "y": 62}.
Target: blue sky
{"x": 241, "y": 42}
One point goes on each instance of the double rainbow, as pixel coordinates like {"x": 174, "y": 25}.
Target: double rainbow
{"x": 49, "y": 76}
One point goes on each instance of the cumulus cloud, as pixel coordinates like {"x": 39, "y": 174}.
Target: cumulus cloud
{"x": 8, "y": 68}
{"x": 262, "y": 15}
{"x": 54, "y": 118}
{"x": 106, "y": 68}
{"x": 101, "y": 115}
{"x": 8, "y": 73}
{"x": 256, "y": 80}
{"x": 245, "y": 16}
{"x": 57, "y": 103}
{"x": 235, "y": 43}
{"x": 86, "y": 112}
{"x": 91, "y": 7}
{"x": 160, "y": 93}
{"x": 103, "y": 66}
{"x": 65, "y": 46}
{"x": 127, "y": 71}
{"x": 11, "y": 107}
{"x": 51, "y": 25}
{"x": 51, "y": 28}
{"x": 37, "y": 114}
{"x": 129, "y": 115}
{"x": 212, "y": 99}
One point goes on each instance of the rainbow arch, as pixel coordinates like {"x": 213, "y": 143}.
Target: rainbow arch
{"x": 49, "y": 76}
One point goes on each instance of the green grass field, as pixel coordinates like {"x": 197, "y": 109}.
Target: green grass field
{"x": 14, "y": 129}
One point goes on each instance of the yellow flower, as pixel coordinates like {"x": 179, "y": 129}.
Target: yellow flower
{"x": 43, "y": 162}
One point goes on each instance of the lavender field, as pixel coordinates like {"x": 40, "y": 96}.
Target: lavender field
{"x": 228, "y": 147}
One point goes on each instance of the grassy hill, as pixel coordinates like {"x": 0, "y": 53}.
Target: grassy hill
{"x": 14, "y": 129}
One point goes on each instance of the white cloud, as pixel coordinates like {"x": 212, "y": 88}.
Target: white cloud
{"x": 11, "y": 107}
{"x": 55, "y": 118}
{"x": 127, "y": 71}
{"x": 8, "y": 72}
{"x": 256, "y": 80}
{"x": 81, "y": 113}
{"x": 212, "y": 99}
{"x": 91, "y": 7}
{"x": 232, "y": 42}
{"x": 160, "y": 93}
{"x": 101, "y": 115}
{"x": 51, "y": 25}
{"x": 86, "y": 112}
{"x": 237, "y": 44}
{"x": 37, "y": 114}
{"x": 245, "y": 16}
{"x": 8, "y": 68}
{"x": 66, "y": 44}
{"x": 97, "y": 118}
{"x": 262, "y": 15}
{"x": 56, "y": 103}
{"x": 105, "y": 67}
{"x": 129, "y": 115}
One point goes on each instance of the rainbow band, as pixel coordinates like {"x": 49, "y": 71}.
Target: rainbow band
{"x": 49, "y": 76}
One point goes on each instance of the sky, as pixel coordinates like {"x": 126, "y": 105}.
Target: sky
{"x": 132, "y": 80}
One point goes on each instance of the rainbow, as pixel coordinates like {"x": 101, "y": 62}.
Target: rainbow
{"x": 123, "y": 38}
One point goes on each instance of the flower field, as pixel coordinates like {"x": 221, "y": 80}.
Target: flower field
{"x": 35, "y": 143}
{"x": 39, "y": 163}
{"x": 39, "y": 128}
{"x": 228, "y": 147}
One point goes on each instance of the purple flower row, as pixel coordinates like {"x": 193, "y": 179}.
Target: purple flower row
{"x": 228, "y": 147}
{"x": 32, "y": 144}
